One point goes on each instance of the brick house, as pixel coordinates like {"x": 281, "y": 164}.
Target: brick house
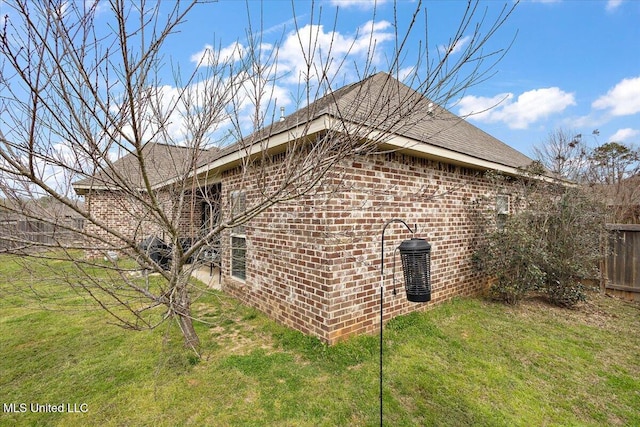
{"x": 313, "y": 262}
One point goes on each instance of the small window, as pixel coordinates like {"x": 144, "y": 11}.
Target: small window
{"x": 502, "y": 210}
{"x": 238, "y": 237}
{"x": 239, "y": 257}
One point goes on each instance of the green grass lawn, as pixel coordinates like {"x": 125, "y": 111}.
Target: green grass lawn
{"x": 467, "y": 362}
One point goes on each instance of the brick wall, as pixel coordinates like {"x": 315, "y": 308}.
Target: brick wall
{"x": 128, "y": 216}
{"x": 314, "y": 263}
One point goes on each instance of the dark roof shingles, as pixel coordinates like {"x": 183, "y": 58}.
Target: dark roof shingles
{"x": 379, "y": 102}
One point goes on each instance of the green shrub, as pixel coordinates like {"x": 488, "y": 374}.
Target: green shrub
{"x": 565, "y": 293}
{"x": 509, "y": 257}
{"x": 548, "y": 245}
{"x": 512, "y": 286}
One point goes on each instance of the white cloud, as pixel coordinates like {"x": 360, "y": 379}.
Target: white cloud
{"x": 362, "y": 4}
{"x": 306, "y": 56}
{"x": 312, "y": 51}
{"x": 303, "y": 58}
{"x": 171, "y": 114}
{"x": 406, "y": 72}
{"x": 480, "y": 108}
{"x": 624, "y": 135}
{"x": 208, "y": 56}
{"x": 613, "y": 4}
{"x": 517, "y": 113}
{"x": 622, "y": 100}
{"x": 457, "y": 46}
{"x": 101, "y": 7}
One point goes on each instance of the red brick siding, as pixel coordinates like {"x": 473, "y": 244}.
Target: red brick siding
{"x": 314, "y": 263}
{"x": 129, "y": 217}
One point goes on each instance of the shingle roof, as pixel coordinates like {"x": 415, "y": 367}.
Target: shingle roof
{"x": 382, "y": 102}
{"x": 162, "y": 162}
{"x": 378, "y": 102}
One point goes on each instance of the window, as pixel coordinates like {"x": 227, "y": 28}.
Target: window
{"x": 238, "y": 238}
{"x": 502, "y": 210}
{"x": 238, "y": 257}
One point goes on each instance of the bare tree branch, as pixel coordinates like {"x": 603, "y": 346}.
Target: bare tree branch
{"x": 88, "y": 107}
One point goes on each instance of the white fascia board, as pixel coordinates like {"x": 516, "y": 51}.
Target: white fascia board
{"x": 424, "y": 149}
{"x": 270, "y": 143}
{"x": 81, "y": 190}
{"x": 394, "y": 142}
{"x": 327, "y": 122}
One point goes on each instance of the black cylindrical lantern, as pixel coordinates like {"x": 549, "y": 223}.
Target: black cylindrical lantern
{"x": 416, "y": 264}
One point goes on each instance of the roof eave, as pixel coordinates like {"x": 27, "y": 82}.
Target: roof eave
{"x": 426, "y": 150}
{"x": 326, "y": 122}
{"x": 83, "y": 190}
{"x": 271, "y": 143}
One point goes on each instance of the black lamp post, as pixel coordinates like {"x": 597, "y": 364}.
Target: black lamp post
{"x": 416, "y": 266}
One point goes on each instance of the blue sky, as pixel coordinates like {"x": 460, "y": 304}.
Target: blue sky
{"x": 573, "y": 65}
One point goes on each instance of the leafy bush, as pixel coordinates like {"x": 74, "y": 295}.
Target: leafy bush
{"x": 573, "y": 229}
{"x": 548, "y": 244}
{"x": 566, "y": 293}
{"x": 507, "y": 257}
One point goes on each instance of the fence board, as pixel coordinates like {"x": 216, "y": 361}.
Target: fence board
{"x": 18, "y": 233}
{"x": 622, "y": 265}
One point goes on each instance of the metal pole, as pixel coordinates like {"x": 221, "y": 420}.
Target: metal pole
{"x": 384, "y": 228}
{"x": 381, "y": 324}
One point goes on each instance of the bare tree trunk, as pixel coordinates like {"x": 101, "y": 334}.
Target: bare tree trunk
{"x": 185, "y": 320}
{"x": 179, "y": 305}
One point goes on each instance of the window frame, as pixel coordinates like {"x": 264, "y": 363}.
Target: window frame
{"x": 503, "y": 202}
{"x": 238, "y": 238}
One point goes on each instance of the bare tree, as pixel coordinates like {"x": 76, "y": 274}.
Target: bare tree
{"x": 614, "y": 175}
{"x": 563, "y": 153}
{"x": 84, "y": 104}
{"x": 609, "y": 171}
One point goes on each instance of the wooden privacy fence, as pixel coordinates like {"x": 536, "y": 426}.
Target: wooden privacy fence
{"x": 33, "y": 233}
{"x": 622, "y": 265}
